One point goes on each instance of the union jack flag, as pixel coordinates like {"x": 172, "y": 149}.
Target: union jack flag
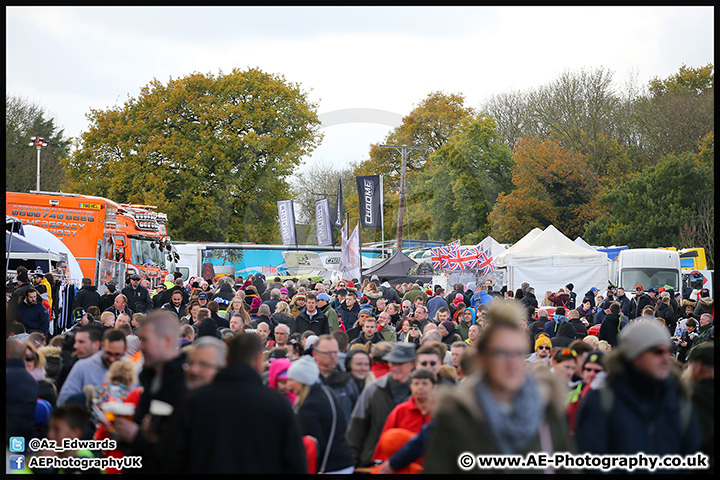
{"x": 453, "y": 246}
{"x": 436, "y": 258}
{"x": 455, "y": 260}
{"x": 469, "y": 257}
{"x": 444, "y": 263}
{"x": 485, "y": 262}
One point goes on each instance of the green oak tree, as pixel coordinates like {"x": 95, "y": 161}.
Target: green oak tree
{"x": 214, "y": 152}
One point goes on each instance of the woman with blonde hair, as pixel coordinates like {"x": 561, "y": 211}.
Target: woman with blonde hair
{"x": 592, "y": 340}
{"x": 282, "y": 315}
{"x": 237, "y": 306}
{"x": 35, "y": 365}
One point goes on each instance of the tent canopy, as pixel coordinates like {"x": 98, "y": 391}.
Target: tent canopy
{"x": 583, "y": 243}
{"x": 489, "y": 243}
{"x": 501, "y": 259}
{"x": 551, "y": 260}
{"x": 23, "y": 249}
{"x": 395, "y": 269}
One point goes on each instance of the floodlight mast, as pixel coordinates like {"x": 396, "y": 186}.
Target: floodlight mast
{"x": 38, "y": 142}
{"x": 401, "y": 200}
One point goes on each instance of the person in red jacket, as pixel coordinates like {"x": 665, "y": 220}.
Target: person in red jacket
{"x": 413, "y": 414}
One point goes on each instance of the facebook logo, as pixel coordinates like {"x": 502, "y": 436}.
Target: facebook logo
{"x": 17, "y": 444}
{"x": 17, "y": 462}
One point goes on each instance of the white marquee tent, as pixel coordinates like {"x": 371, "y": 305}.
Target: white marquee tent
{"x": 500, "y": 260}
{"x": 549, "y": 260}
{"x": 491, "y": 244}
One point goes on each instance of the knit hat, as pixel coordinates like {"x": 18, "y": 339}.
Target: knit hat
{"x": 304, "y": 370}
{"x": 595, "y": 356}
{"x": 543, "y": 340}
{"x": 284, "y": 290}
{"x": 638, "y": 337}
{"x": 256, "y": 302}
{"x": 570, "y": 286}
{"x": 22, "y": 276}
{"x": 449, "y": 326}
{"x": 350, "y": 284}
{"x": 459, "y": 297}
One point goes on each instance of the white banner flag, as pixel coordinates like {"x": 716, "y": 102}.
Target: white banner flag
{"x": 350, "y": 256}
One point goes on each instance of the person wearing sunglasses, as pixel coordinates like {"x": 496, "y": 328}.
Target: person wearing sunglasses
{"x": 592, "y": 368}
{"x": 641, "y": 406}
{"x": 414, "y": 334}
{"x": 543, "y": 346}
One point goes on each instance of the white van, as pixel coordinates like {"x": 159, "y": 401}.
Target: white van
{"x": 649, "y": 267}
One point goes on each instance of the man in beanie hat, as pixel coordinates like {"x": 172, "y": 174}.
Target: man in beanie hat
{"x": 23, "y": 285}
{"x": 641, "y": 407}
{"x": 543, "y": 345}
{"x": 376, "y": 402}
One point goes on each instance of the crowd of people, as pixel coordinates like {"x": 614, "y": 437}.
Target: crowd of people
{"x": 256, "y": 375}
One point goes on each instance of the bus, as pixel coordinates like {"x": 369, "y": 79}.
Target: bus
{"x": 200, "y": 259}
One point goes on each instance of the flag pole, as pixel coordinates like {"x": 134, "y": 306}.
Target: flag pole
{"x": 360, "y": 249}
{"x": 382, "y": 215}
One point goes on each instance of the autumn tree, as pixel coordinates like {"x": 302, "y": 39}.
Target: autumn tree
{"x": 214, "y": 152}
{"x": 658, "y": 205}
{"x": 22, "y": 121}
{"x": 430, "y": 124}
{"x": 553, "y": 185}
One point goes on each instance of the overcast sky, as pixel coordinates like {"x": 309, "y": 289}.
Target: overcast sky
{"x": 385, "y": 60}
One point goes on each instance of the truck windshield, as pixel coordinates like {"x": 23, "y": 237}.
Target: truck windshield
{"x": 649, "y": 277}
{"x": 144, "y": 255}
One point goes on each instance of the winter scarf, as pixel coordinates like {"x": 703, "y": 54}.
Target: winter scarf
{"x": 512, "y": 430}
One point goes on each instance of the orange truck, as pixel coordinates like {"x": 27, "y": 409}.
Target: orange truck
{"x": 109, "y": 240}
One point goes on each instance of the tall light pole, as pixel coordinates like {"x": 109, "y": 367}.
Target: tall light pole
{"x": 38, "y": 142}
{"x": 403, "y": 149}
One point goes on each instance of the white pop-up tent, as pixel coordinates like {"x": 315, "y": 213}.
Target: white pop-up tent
{"x": 583, "y": 243}
{"x": 489, "y": 243}
{"x": 501, "y": 259}
{"x": 551, "y": 260}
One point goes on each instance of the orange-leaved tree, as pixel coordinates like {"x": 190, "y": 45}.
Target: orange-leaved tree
{"x": 554, "y": 185}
